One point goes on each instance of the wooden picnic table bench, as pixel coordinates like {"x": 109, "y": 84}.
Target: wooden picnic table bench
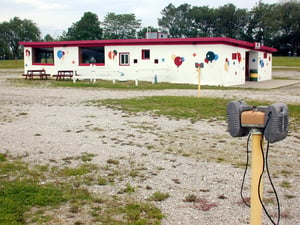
{"x": 62, "y": 74}
{"x": 36, "y": 73}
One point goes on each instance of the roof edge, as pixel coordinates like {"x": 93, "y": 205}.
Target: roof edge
{"x": 164, "y": 41}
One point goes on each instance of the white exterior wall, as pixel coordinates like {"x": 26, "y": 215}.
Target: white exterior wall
{"x": 219, "y": 66}
{"x": 262, "y": 62}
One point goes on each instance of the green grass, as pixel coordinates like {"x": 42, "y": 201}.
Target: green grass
{"x": 11, "y": 64}
{"x": 158, "y": 196}
{"x": 21, "y": 191}
{"x": 143, "y": 85}
{"x": 177, "y": 107}
{"x": 285, "y": 61}
{"x": 184, "y": 107}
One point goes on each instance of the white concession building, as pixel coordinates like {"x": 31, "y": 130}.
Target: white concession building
{"x": 221, "y": 61}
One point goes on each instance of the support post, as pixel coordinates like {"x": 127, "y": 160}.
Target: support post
{"x": 256, "y": 170}
{"x": 199, "y": 70}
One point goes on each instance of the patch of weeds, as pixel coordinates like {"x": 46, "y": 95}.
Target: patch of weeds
{"x": 77, "y": 171}
{"x": 22, "y": 114}
{"x": 113, "y": 161}
{"x": 68, "y": 159}
{"x": 269, "y": 201}
{"x": 158, "y": 196}
{"x": 119, "y": 212}
{"x": 98, "y": 129}
{"x": 286, "y": 172}
{"x": 133, "y": 173}
{"x": 290, "y": 196}
{"x": 128, "y": 189}
{"x": 101, "y": 181}
{"x": 190, "y": 198}
{"x": 74, "y": 208}
{"x": 86, "y": 157}
{"x": 285, "y": 184}
{"x": 17, "y": 197}
{"x": 24, "y": 200}
{"x": 135, "y": 212}
{"x": 3, "y": 157}
{"x": 220, "y": 160}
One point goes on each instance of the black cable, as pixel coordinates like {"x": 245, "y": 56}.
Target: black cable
{"x": 245, "y": 172}
{"x": 273, "y": 187}
{"x": 265, "y": 165}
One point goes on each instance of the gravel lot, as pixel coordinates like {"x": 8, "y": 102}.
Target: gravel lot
{"x": 46, "y": 125}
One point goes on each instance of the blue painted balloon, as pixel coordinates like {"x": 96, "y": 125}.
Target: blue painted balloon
{"x": 216, "y": 57}
{"x": 262, "y": 63}
{"x": 60, "y": 54}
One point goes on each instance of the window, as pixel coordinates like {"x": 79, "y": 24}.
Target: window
{"x": 124, "y": 59}
{"x": 145, "y": 54}
{"x": 43, "y": 56}
{"x": 91, "y": 55}
{"x": 234, "y": 56}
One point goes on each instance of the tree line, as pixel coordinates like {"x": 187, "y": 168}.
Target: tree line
{"x": 274, "y": 25}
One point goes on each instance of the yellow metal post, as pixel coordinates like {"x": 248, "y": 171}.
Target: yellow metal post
{"x": 199, "y": 70}
{"x": 256, "y": 170}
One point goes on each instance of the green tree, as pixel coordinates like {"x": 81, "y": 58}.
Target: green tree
{"x": 263, "y": 23}
{"x": 177, "y": 21}
{"x": 120, "y": 26}
{"x": 230, "y": 21}
{"x": 87, "y": 28}
{"x": 288, "y": 17}
{"x": 203, "y": 20}
{"x": 48, "y": 37}
{"x": 16, "y": 30}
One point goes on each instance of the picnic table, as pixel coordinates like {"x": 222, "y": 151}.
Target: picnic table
{"x": 36, "y": 73}
{"x": 62, "y": 74}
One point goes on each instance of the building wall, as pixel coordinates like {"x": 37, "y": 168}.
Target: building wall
{"x": 224, "y": 65}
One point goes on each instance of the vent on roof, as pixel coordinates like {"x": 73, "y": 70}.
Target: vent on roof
{"x": 156, "y": 35}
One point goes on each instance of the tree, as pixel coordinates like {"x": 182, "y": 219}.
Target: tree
{"x": 48, "y": 37}
{"x": 230, "y": 21}
{"x": 177, "y": 21}
{"x": 120, "y": 26}
{"x": 17, "y": 30}
{"x": 203, "y": 20}
{"x": 262, "y": 25}
{"x": 288, "y": 18}
{"x": 87, "y": 28}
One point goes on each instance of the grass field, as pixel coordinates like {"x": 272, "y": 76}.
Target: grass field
{"x": 12, "y": 64}
{"x": 280, "y": 61}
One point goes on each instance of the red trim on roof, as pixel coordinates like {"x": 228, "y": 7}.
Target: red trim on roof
{"x": 165, "y": 41}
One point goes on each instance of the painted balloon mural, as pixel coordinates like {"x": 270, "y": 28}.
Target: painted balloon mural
{"x": 112, "y": 54}
{"x": 211, "y": 56}
{"x": 60, "y": 54}
{"x": 178, "y": 60}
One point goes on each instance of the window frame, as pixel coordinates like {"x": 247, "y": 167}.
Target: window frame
{"x": 39, "y": 55}
{"x": 81, "y": 58}
{"x": 121, "y": 59}
{"x": 146, "y": 54}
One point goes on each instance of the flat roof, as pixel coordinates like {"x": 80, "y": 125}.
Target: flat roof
{"x": 162, "y": 41}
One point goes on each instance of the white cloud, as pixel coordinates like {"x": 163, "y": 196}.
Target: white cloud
{"x": 42, "y": 5}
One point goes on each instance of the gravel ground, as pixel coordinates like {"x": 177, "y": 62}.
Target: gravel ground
{"x": 47, "y": 125}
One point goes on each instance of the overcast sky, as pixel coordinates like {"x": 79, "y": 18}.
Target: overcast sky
{"x": 55, "y": 16}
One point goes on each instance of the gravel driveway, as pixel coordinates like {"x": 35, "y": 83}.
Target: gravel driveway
{"x": 47, "y": 125}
